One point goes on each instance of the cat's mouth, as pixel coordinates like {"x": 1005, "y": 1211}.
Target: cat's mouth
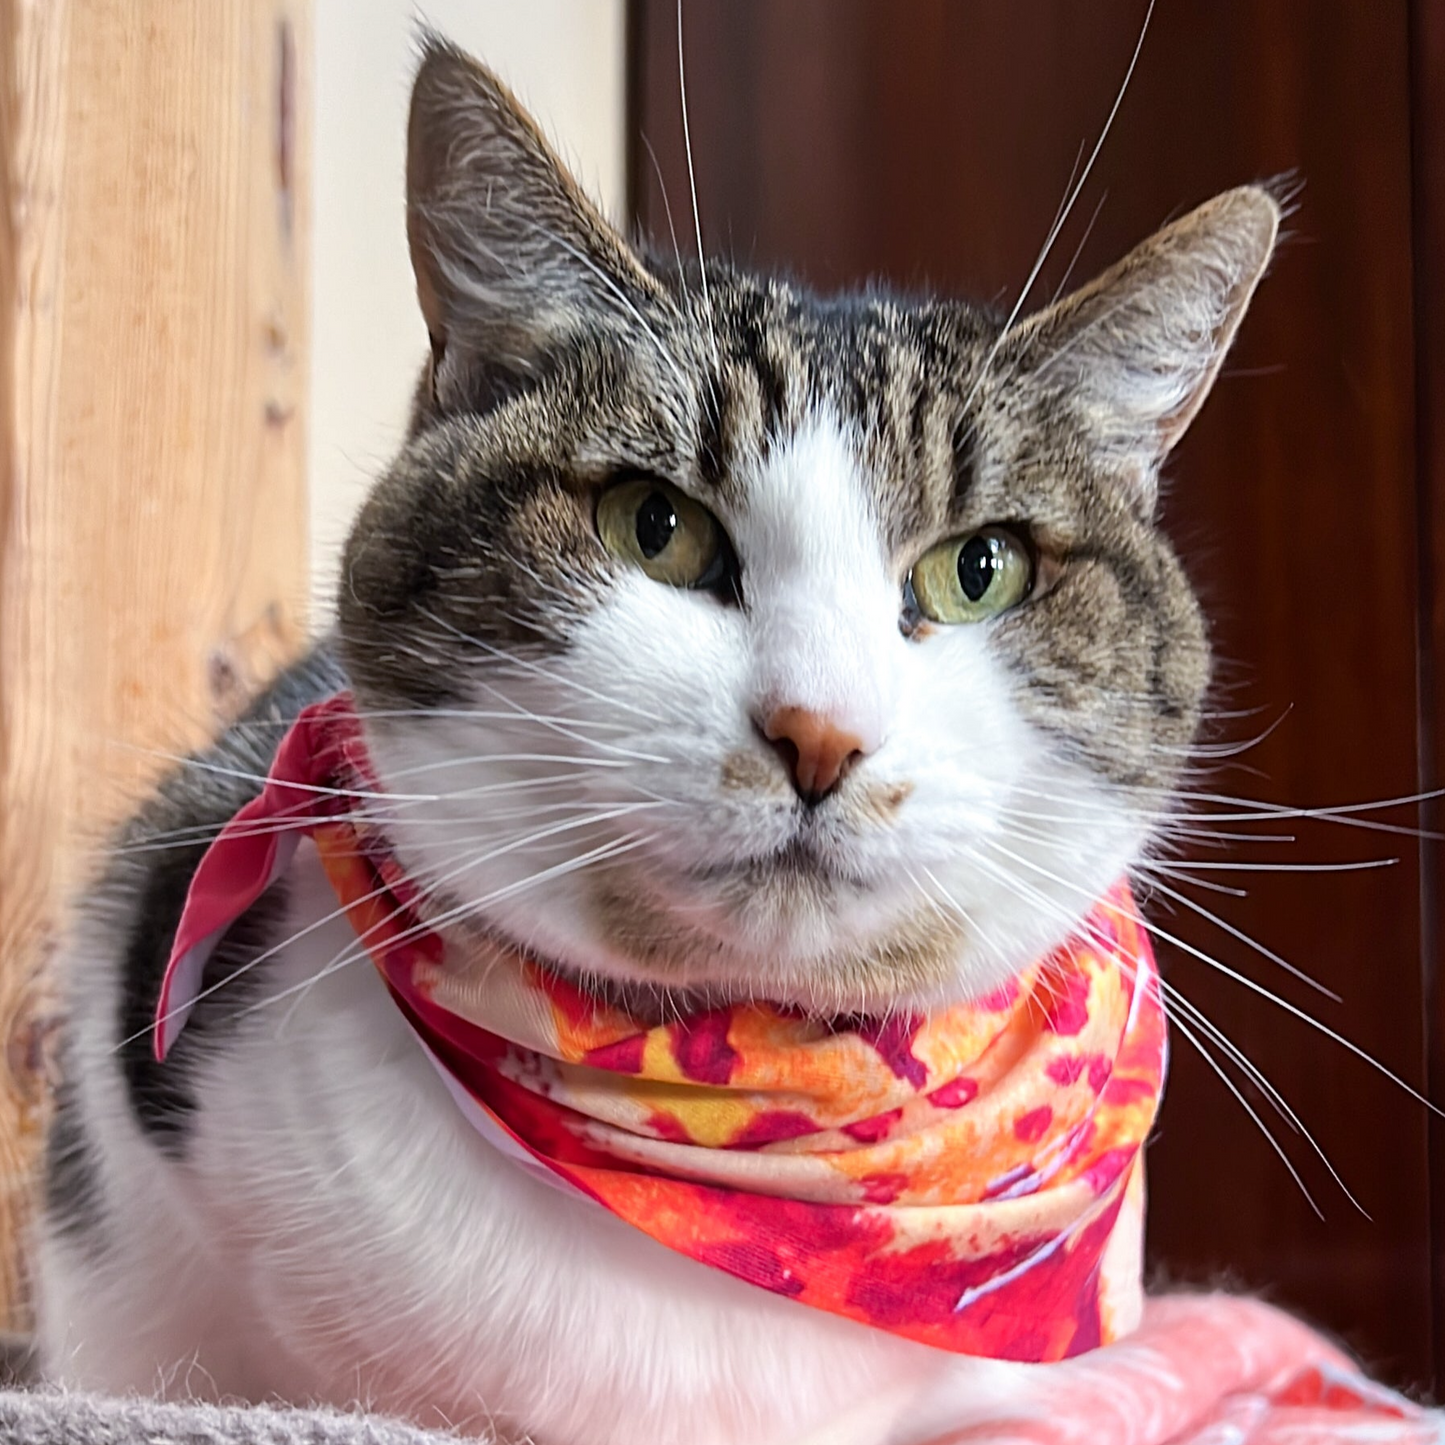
{"x": 801, "y": 925}
{"x": 801, "y": 860}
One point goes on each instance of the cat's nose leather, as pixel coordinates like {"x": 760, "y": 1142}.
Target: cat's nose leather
{"x": 816, "y": 752}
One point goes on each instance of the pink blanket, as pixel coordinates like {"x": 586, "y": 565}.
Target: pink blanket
{"x": 1201, "y": 1370}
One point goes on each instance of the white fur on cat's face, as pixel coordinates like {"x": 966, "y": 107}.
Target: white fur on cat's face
{"x": 616, "y": 809}
{"x": 607, "y": 800}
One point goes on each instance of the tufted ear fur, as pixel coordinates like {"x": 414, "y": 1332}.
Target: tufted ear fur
{"x": 1134, "y": 353}
{"x": 510, "y": 255}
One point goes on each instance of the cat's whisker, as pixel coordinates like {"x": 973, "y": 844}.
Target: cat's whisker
{"x": 516, "y": 661}
{"x": 356, "y": 949}
{"x": 465, "y": 714}
{"x": 1168, "y": 827}
{"x": 1166, "y": 830}
{"x": 588, "y": 814}
{"x": 616, "y": 291}
{"x": 1183, "y": 1030}
{"x": 1175, "y": 831}
{"x": 1245, "y": 981}
{"x": 1085, "y": 333}
{"x": 692, "y": 188}
{"x": 1266, "y": 811}
{"x": 472, "y": 861}
{"x": 524, "y": 714}
{"x": 1211, "y": 1030}
{"x": 433, "y": 881}
{"x": 398, "y": 815}
{"x": 1063, "y": 217}
{"x": 667, "y": 211}
{"x": 1217, "y": 751}
{"x": 440, "y": 826}
{"x": 569, "y": 760}
{"x": 1079, "y": 249}
{"x": 969, "y": 921}
{"x": 1149, "y": 868}
{"x": 533, "y": 810}
{"x": 1360, "y": 865}
{"x": 1244, "y": 938}
{"x": 460, "y": 277}
{"x": 242, "y": 969}
{"x": 246, "y": 775}
{"x": 1175, "y": 999}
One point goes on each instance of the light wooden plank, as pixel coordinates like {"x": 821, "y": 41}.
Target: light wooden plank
{"x": 153, "y": 260}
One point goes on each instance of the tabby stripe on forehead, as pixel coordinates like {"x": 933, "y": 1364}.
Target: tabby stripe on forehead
{"x": 751, "y": 335}
{"x": 964, "y": 448}
{"x": 918, "y": 419}
{"x": 739, "y": 416}
{"x": 712, "y": 450}
{"x": 773, "y": 396}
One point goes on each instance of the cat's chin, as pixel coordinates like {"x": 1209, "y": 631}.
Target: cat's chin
{"x": 776, "y": 939}
{"x": 827, "y": 992}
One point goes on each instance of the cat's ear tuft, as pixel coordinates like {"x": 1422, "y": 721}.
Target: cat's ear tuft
{"x": 509, "y": 253}
{"x": 1135, "y": 353}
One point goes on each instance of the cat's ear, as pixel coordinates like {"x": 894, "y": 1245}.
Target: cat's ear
{"x": 510, "y": 255}
{"x": 1134, "y": 353}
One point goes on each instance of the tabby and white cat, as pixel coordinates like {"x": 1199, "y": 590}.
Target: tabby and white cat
{"x": 716, "y": 639}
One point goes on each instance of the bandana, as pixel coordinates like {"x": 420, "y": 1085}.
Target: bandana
{"x": 972, "y": 1180}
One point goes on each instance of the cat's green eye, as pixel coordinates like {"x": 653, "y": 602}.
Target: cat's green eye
{"x": 657, "y": 528}
{"x": 968, "y": 579}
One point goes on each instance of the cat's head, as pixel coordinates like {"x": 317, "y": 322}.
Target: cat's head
{"x": 714, "y": 635}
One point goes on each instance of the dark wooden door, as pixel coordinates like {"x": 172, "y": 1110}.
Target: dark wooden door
{"x": 930, "y": 142}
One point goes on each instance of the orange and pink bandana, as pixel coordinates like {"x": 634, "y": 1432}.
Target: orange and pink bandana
{"x": 972, "y": 1180}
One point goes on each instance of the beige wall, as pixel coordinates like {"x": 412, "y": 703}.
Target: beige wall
{"x": 565, "y": 59}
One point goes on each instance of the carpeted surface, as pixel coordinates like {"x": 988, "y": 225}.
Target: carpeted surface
{"x": 45, "y": 1417}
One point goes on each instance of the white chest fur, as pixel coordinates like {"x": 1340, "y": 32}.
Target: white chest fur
{"x": 339, "y": 1232}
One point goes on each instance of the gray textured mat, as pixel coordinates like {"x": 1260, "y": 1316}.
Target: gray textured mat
{"x": 46, "y": 1417}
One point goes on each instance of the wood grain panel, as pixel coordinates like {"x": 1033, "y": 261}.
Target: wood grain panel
{"x": 930, "y": 143}
{"x": 152, "y": 502}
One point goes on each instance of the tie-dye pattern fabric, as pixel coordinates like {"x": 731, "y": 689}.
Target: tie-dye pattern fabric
{"x": 1206, "y": 1369}
{"x": 972, "y": 1180}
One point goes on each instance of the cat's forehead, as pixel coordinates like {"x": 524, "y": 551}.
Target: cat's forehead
{"x": 890, "y": 379}
{"x": 859, "y": 354}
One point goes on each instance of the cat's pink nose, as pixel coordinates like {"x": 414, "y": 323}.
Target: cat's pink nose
{"x": 814, "y": 749}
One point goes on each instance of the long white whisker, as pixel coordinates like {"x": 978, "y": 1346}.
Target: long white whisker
{"x": 530, "y": 665}
{"x": 1063, "y": 218}
{"x": 692, "y": 186}
{"x": 1253, "y": 1114}
{"x": 352, "y": 953}
{"x": 668, "y": 358}
{"x": 472, "y": 861}
{"x": 1052, "y": 908}
{"x": 1079, "y": 249}
{"x": 1247, "y": 982}
{"x": 244, "y": 775}
{"x": 1211, "y": 1030}
{"x": 667, "y": 211}
{"x": 1261, "y": 1082}
{"x": 1245, "y": 939}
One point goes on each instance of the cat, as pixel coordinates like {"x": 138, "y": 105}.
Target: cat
{"x": 716, "y": 641}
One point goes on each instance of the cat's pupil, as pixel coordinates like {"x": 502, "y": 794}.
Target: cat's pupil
{"x": 656, "y": 522}
{"x": 976, "y": 566}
